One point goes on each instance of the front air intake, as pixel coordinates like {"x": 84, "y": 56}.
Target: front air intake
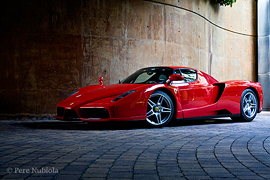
{"x": 60, "y": 111}
{"x": 95, "y": 113}
{"x": 71, "y": 115}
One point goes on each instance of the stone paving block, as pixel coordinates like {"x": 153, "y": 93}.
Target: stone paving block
{"x": 122, "y": 169}
{"x": 145, "y": 177}
{"x": 120, "y": 175}
{"x": 89, "y": 178}
{"x": 67, "y": 177}
{"x": 40, "y": 178}
{"x": 75, "y": 172}
{"x": 16, "y": 176}
{"x": 95, "y": 175}
{"x": 96, "y": 170}
{"x": 145, "y": 171}
{"x": 75, "y": 168}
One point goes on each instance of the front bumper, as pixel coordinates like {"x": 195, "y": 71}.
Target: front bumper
{"x": 128, "y": 108}
{"x": 94, "y": 114}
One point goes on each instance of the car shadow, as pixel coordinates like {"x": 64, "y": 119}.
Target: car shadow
{"x": 69, "y": 125}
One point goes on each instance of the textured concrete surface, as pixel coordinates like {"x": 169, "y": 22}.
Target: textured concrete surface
{"x": 207, "y": 149}
{"x": 263, "y": 50}
{"x": 48, "y": 49}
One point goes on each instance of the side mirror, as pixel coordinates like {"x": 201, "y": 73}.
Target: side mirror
{"x": 100, "y": 81}
{"x": 175, "y": 77}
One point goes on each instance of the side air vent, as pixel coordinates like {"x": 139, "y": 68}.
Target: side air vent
{"x": 221, "y": 87}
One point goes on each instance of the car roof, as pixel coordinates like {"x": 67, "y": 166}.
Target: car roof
{"x": 180, "y": 67}
{"x": 173, "y": 67}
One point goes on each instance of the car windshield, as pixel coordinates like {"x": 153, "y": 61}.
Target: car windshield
{"x": 149, "y": 76}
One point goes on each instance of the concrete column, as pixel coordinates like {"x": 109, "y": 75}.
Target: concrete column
{"x": 264, "y": 50}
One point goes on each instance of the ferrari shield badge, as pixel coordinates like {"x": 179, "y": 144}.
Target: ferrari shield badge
{"x": 175, "y": 90}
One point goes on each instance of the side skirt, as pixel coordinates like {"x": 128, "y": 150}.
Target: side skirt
{"x": 209, "y": 117}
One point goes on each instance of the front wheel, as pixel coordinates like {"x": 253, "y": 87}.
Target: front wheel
{"x": 160, "y": 109}
{"x": 248, "y": 106}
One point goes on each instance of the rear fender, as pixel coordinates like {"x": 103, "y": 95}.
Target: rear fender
{"x": 231, "y": 97}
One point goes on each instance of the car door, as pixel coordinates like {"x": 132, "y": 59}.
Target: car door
{"x": 195, "y": 94}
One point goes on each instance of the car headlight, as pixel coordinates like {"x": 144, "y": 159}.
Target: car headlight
{"x": 70, "y": 95}
{"x": 123, "y": 95}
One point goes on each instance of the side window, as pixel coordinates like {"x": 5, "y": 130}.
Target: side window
{"x": 190, "y": 75}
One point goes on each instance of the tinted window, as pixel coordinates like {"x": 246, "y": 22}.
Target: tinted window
{"x": 149, "y": 76}
{"x": 177, "y": 71}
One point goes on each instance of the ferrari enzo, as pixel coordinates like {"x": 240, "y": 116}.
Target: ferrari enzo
{"x": 159, "y": 95}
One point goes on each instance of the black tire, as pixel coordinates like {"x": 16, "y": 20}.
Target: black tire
{"x": 248, "y": 106}
{"x": 160, "y": 109}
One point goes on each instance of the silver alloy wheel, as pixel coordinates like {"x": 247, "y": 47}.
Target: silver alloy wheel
{"x": 159, "y": 109}
{"x": 249, "y": 105}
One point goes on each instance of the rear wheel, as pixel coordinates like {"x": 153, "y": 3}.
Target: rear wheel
{"x": 248, "y": 106}
{"x": 160, "y": 109}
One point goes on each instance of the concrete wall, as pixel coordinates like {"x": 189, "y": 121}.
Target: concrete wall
{"x": 264, "y": 49}
{"x": 50, "y": 48}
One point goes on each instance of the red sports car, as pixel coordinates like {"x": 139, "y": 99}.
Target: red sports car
{"x": 160, "y": 94}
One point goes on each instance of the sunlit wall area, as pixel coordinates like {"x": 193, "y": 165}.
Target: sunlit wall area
{"x": 186, "y": 33}
{"x": 48, "y": 49}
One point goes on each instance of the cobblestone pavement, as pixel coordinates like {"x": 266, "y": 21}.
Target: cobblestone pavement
{"x": 206, "y": 149}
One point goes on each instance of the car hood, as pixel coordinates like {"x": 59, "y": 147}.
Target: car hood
{"x": 96, "y": 92}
